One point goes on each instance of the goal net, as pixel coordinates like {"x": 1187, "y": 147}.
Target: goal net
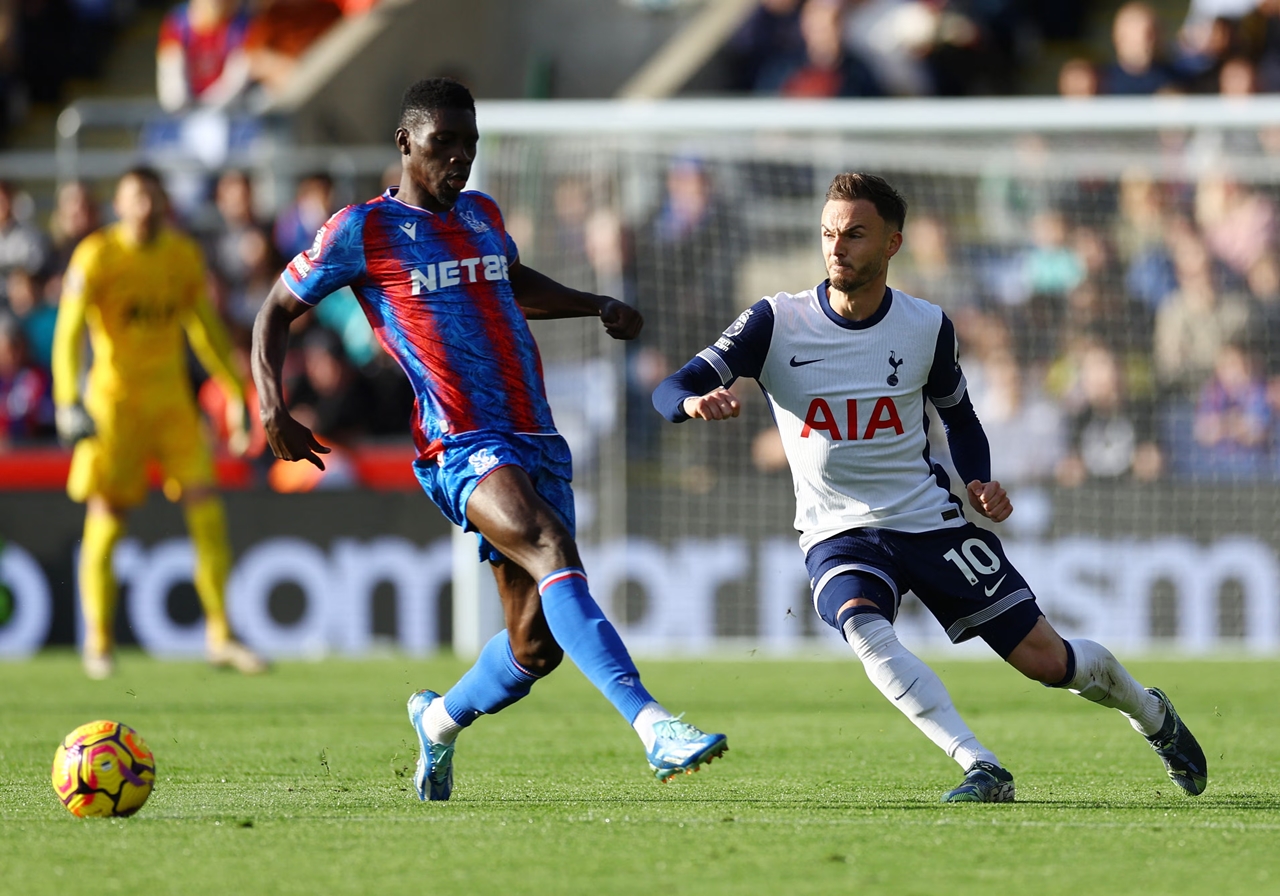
{"x": 1110, "y": 267}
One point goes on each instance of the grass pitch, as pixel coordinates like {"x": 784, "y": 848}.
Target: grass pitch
{"x": 301, "y": 782}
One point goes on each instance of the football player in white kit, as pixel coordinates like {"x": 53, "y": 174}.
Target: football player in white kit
{"x": 846, "y": 368}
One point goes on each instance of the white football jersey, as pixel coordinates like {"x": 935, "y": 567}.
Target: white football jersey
{"x": 849, "y": 401}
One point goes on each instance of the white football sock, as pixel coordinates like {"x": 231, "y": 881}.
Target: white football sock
{"x": 1101, "y": 679}
{"x": 913, "y": 687}
{"x": 651, "y": 712}
{"x": 439, "y": 725}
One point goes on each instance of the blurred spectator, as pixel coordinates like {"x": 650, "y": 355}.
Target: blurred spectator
{"x": 26, "y": 404}
{"x": 233, "y": 200}
{"x": 258, "y": 267}
{"x": 894, "y": 37}
{"x": 297, "y": 224}
{"x": 35, "y": 315}
{"x": 824, "y": 67}
{"x": 1078, "y": 79}
{"x": 241, "y": 255}
{"x": 1023, "y": 427}
{"x": 685, "y": 260}
{"x": 1238, "y": 224}
{"x": 1202, "y": 11}
{"x": 200, "y": 59}
{"x": 1138, "y": 70}
{"x": 1238, "y": 77}
{"x": 329, "y": 397}
{"x": 1264, "y": 289}
{"x": 1202, "y": 48}
{"x": 1109, "y": 435}
{"x": 21, "y": 246}
{"x": 925, "y": 266}
{"x": 75, "y": 216}
{"x": 1266, "y": 26}
{"x": 1141, "y": 224}
{"x": 1195, "y": 322}
{"x": 1232, "y": 416}
{"x": 1051, "y": 267}
{"x": 280, "y": 33}
{"x": 342, "y": 314}
{"x": 969, "y": 48}
{"x": 771, "y": 31}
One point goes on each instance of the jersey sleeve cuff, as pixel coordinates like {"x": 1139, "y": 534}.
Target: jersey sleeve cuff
{"x": 294, "y": 293}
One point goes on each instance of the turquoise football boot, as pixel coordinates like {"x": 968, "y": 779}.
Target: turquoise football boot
{"x": 680, "y": 747}
{"x": 433, "y": 777}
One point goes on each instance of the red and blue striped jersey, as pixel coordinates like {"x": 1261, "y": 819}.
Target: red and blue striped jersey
{"x": 436, "y": 291}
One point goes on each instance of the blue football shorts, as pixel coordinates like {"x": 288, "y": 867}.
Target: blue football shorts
{"x": 961, "y": 575}
{"x": 451, "y": 476}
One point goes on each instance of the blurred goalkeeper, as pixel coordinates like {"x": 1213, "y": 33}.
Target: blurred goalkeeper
{"x": 138, "y": 285}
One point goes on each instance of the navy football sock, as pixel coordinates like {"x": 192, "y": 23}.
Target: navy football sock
{"x": 494, "y": 682}
{"x": 591, "y": 641}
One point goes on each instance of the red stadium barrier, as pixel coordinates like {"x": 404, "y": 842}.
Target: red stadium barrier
{"x": 378, "y": 467}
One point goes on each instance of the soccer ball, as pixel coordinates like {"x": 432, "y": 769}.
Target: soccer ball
{"x": 103, "y": 769}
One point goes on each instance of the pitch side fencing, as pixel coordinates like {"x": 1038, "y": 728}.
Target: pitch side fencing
{"x": 1110, "y": 266}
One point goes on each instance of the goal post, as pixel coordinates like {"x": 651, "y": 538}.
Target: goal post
{"x": 1111, "y": 269}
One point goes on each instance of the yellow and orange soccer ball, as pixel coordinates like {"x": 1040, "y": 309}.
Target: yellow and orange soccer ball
{"x": 103, "y": 769}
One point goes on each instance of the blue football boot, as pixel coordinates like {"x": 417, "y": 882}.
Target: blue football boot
{"x": 680, "y": 747}
{"x": 983, "y": 783}
{"x": 433, "y": 777}
{"x": 1177, "y": 748}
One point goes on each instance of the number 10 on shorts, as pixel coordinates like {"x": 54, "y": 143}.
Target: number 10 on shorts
{"x": 979, "y": 557}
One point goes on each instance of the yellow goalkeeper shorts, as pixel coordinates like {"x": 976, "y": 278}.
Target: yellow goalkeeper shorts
{"x": 131, "y": 433}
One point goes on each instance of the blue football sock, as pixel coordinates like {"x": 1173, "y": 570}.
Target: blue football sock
{"x": 494, "y": 682}
{"x": 591, "y": 641}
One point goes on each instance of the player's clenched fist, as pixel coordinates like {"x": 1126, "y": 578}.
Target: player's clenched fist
{"x": 620, "y": 320}
{"x": 720, "y": 404}
{"x": 990, "y": 499}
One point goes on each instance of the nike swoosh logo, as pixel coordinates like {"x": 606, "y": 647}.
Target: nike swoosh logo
{"x": 907, "y": 691}
{"x": 992, "y": 590}
{"x": 795, "y": 363}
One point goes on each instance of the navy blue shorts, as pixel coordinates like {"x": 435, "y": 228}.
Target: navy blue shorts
{"x": 451, "y": 476}
{"x": 961, "y": 575}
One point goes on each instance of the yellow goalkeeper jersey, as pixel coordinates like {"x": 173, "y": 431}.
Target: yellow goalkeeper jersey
{"x": 137, "y": 300}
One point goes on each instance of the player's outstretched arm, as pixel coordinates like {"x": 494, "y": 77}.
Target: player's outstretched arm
{"x": 541, "y": 298}
{"x": 990, "y": 499}
{"x": 289, "y": 439}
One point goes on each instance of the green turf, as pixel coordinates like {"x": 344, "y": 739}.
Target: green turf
{"x": 300, "y": 782}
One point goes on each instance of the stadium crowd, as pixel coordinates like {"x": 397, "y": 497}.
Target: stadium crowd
{"x": 1118, "y": 330}
{"x": 869, "y": 48}
{"x": 1123, "y": 329}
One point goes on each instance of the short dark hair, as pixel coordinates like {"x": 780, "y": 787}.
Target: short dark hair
{"x": 424, "y": 98}
{"x": 853, "y": 185}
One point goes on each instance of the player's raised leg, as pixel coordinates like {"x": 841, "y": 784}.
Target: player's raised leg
{"x": 1090, "y": 670}
{"x": 859, "y": 606}
{"x": 513, "y": 517}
